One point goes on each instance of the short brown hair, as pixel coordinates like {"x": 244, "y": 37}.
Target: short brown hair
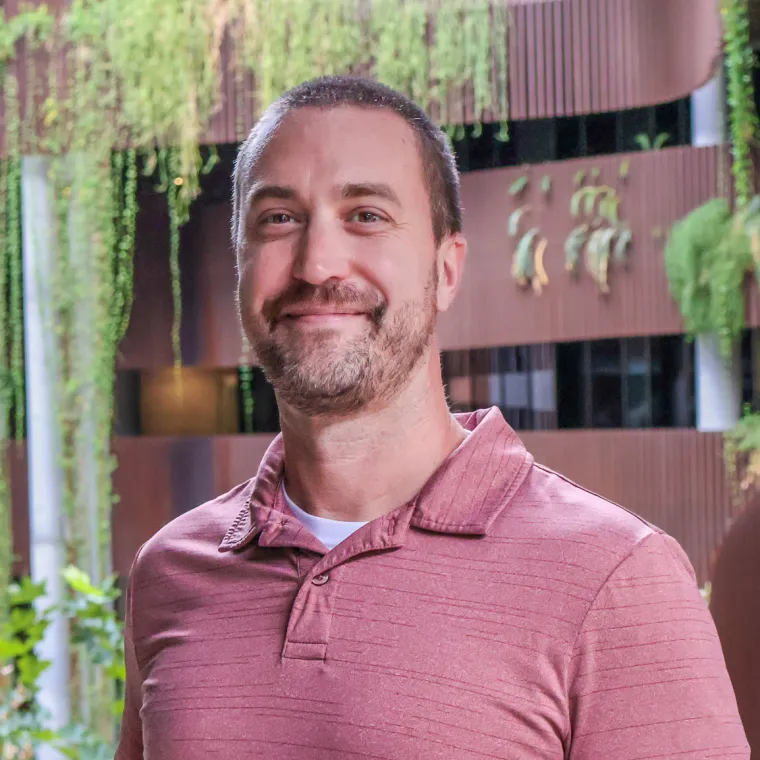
{"x": 438, "y": 161}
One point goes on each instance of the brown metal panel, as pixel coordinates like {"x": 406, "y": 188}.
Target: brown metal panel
{"x": 518, "y": 65}
{"x": 554, "y": 26}
{"x": 596, "y": 63}
{"x": 604, "y": 35}
{"x": 534, "y": 51}
{"x": 491, "y": 310}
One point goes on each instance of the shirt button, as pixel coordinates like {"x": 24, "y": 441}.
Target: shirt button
{"x": 320, "y": 580}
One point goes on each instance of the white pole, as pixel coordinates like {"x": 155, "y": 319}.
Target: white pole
{"x": 46, "y": 518}
{"x": 718, "y": 381}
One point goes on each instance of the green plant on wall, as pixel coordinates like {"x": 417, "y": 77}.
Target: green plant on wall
{"x": 528, "y": 257}
{"x": 116, "y": 89}
{"x": 710, "y": 251}
{"x": 599, "y": 232}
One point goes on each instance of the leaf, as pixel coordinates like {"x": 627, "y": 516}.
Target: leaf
{"x": 573, "y": 246}
{"x": 580, "y": 177}
{"x": 540, "y": 270}
{"x": 212, "y": 160}
{"x": 26, "y": 592}
{"x": 10, "y": 649}
{"x": 621, "y": 244}
{"x": 625, "y": 168}
{"x": 522, "y": 269}
{"x": 660, "y": 141}
{"x": 546, "y": 184}
{"x": 590, "y": 201}
{"x": 477, "y": 131}
{"x": 608, "y": 208}
{"x": 503, "y": 134}
{"x": 79, "y": 581}
{"x": 575, "y": 202}
{"x": 595, "y": 173}
{"x": 514, "y": 220}
{"x": 518, "y": 186}
{"x": 643, "y": 142}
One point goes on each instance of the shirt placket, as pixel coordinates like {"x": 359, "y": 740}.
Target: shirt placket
{"x": 308, "y": 630}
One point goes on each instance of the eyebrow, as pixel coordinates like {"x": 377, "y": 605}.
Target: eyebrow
{"x": 260, "y": 191}
{"x": 365, "y": 189}
{"x": 352, "y": 190}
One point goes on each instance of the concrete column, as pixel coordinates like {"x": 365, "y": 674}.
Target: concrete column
{"x": 46, "y": 507}
{"x": 708, "y": 113}
{"x": 718, "y": 382}
{"x": 718, "y": 386}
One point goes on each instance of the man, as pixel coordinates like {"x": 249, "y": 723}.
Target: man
{"x": 397, "y": 582}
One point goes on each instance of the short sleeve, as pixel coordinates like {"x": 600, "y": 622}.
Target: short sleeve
{"x": 130, "y": 740}
{"x": 647, "y": 674}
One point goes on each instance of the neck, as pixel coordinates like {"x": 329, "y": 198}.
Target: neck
{"x": 363, "y": 467}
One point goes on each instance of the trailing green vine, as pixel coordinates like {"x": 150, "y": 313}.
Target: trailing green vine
{"x": 113, "y": 87}
{"x": 711, "y": 251}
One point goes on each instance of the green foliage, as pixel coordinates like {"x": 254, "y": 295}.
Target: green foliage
{"x": 546, "y": 184}
{"x": 646, "y": 143}
{"x": 741, "y": 452}
{"x": 522, "y": 262}
{"x": 518, "y": 186}
{"x": 740, "y": 63}
{"x": 601, "y": 234}
{"x": 95, "y": 629}
{"x": 513, "y": 224}
{"x": 707, "y": 258}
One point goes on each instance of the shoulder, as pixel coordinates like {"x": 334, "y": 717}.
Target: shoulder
{"x": 587, "y": 533}
{"x": 197, "y": 532}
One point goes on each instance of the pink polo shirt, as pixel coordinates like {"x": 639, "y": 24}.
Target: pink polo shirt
{"x": 504, "y": 613}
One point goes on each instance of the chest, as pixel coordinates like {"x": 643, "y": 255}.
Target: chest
{"x": 384, "y": 656}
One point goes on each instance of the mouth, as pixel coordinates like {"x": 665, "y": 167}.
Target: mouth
{"x": 321, "y": 315}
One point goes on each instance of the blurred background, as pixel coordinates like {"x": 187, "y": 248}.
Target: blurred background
{"x": 609, "y": 308}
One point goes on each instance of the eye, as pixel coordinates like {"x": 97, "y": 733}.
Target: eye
{"x": 278, "y": 218}
{"x": 365, "y": 217}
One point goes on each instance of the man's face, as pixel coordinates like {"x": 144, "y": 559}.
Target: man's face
{"x": 339, "y": 270}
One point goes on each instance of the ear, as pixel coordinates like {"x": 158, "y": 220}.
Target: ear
{"x": 451, "y": 257}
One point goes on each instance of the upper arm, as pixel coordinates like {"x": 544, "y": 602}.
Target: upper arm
{"x": 130, "y": 740}
{"x": 648, "y": 678}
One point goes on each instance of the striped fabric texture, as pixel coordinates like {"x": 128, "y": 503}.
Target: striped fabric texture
{"x": 504, "y": 613}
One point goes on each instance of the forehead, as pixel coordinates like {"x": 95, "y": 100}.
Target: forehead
{"x": 335, "y": 146}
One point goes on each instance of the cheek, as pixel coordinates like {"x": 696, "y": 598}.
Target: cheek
{"x": 260, "y": 278}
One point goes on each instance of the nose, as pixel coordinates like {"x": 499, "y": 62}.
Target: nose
{"x": 324, "y": 251}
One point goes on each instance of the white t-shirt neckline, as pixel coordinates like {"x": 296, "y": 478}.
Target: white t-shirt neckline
{"x": 329, "y": 532}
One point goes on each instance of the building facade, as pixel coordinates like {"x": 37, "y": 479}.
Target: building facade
{"x": 601, "y": 386}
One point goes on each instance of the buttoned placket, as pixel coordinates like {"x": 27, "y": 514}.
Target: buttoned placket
{"x": 308, "y": 630}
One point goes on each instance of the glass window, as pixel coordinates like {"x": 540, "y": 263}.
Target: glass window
{"x": 638, "y": 397}
{"x": 606, "y": 384}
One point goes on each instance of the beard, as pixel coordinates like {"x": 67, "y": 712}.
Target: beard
{"x": 322, "y": 372}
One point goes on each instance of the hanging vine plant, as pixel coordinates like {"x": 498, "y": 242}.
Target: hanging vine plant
{"x": 116, "y": 87}
{"x": 711, "y": 251}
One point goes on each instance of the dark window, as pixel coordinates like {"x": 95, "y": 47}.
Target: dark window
{"x": 606, "y": 384}
{"x": 673, "y": 402}
{"x": 600, "y": 134}
{"x": 571, "y": 386}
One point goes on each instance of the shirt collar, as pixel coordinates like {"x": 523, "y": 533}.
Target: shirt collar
{"x": 464, "y": 496}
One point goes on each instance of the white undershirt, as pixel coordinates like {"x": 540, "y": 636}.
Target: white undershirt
{"x": 329, "y": 532}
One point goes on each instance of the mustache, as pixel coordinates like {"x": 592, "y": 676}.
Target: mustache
{"x": 340, "y": 295}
